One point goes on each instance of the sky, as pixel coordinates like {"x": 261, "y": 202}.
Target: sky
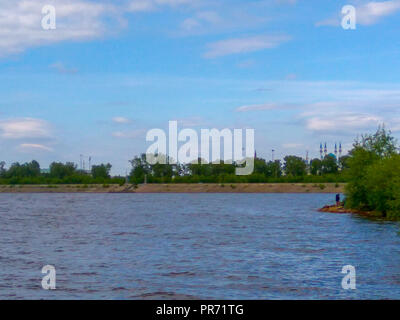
{"x": 111, "y": 71}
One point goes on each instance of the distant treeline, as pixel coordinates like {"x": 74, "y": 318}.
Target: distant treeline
{"x": 58, "y": 173}
{"x": 293, "y": 169}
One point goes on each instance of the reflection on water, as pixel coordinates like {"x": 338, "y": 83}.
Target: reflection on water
{"x": 182, "y": 246}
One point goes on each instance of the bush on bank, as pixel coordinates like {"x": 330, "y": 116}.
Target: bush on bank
{"x": 373, "y": 175}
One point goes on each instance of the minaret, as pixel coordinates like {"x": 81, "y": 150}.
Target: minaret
{"x": 320, "y": 150}
{"x": 325, "y": 150}
{"x": 340, "y": 150}
{"x": 336, "y": 150}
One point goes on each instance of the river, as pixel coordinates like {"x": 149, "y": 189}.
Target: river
{"x": 188, "y": 246}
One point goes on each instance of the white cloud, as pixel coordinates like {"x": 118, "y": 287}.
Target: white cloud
{"x": 28, "y": 147}
{"x": 24, "y": 128}
{"x": 292, "y": 145}
{"x": 244, "y": 45}
{"x": 121, "y": 120}
{"x": 76, "y": 20}
{"x": 260, "y": 107}
{"x": 198, "y": 21}
{"x": 20, "y": 23}
{"x": 367, "y": 14}
{"x": 141, "y": 6}
{"x": 151, "y": 5}
{"x": 128, "y": 134}
{"x": 343, "y": 122}
{"x": 61, "y": 68}
{"x": 373, "y": 11}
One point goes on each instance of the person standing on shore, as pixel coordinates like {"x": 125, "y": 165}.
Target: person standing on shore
{"x": 338, "y": 199}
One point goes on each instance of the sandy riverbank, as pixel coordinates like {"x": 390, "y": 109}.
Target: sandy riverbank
{"x": 181, "y": 188}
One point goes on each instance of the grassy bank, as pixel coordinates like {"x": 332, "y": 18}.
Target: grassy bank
{"x": 180, "y": 188}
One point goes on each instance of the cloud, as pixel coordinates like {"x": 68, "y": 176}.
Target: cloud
{"x": 28, "y": 147}
{"x": 129, "y": 134}
{"x": 24, "y": 128}
{"x": 338, "y": 123}
{"x": 291, "y": 76}
{"x": 244, "y": 45}
{"x": 372, "y": 12}
{"x": 261, "y": 107}
{"x": 197, "y": 22}
{"x": 292, "y": 145}
{"x": 286, "y": 1}
{"x": 141, "y": 6}
{"x": 367, "y": 14}
{"x": 121, "y": 120}
{"x": 60, "y": 68}
{"x": 152, "y": 5}
{"x": 21, "y": 28}
{"x": 76, "y": 20}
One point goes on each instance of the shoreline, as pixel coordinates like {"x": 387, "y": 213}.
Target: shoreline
{"x": 181, "y": 188}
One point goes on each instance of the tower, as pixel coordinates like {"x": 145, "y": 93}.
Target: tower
{"x": 336, "y": 150}
{"x": 325, "y": 150}
{"x": 320, "y": 150}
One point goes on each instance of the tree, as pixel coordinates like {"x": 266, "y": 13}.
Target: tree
{"x": 295, "y": 166}
{"x": 140, "y": 168}
{"x": 381, "y": 184}
{"x": 343, "y": 162}
{"x": 329, "y": 165}
{"x": 101, "y": 171}
{"x": 274, "y": 169}
{"x": 2, "y": 168}
{"x": 29, "y": 169}
{"x": 382, "y": 143}
{"x": 373, "y": 173}
{"x": 316, "y": 167}
{"x": 60, "y": 170}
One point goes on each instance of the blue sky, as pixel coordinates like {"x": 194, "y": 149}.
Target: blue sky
{"x": 113, "y": 70}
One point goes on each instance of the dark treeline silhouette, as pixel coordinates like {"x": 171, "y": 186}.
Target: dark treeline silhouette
{"x": 293, "y": 169}
{"x": 58, "y": 173}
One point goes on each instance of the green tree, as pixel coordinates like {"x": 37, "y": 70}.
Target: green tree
{"x": 29, "y": 169}
{"x": 295, "y": 166}
{"x": 2, "y": 169}
{"x": 60, "y": 170}
{"x": 381, "y": 183}
{"x": 316, "y": 167}
{"x": 101, "y": 171}
{"x": 329, "y": 165}
{"x": 140, "y": 168}
{"x": 274, "y": 169}
{"x": 343, "y": 162}
{"x": 370, "y": 163}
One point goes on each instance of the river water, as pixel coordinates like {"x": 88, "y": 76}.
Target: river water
{"x": 184, "y": 246}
